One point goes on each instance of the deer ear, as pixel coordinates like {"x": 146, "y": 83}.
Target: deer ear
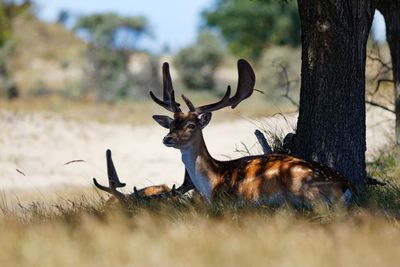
{"x": 164, "y": 121}
{"x": 205, "y": 119}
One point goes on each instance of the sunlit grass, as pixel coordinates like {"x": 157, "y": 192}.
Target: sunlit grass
{"x": 79, "y": 230}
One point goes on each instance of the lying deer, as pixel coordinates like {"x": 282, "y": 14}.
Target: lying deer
{"x": 147, "y": 193}
{"x": 267, "y": 179}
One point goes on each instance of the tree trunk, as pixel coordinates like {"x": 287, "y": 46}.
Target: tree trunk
{"x": 391, "y": 12}
{"x": 331, "y": 124}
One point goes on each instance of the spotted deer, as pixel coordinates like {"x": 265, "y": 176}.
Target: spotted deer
{"x": 148, "y": 193}
{"x": 269, "y": 179}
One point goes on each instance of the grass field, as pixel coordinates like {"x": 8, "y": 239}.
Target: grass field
{"x": 58, "y": 226}
{"x": 77, "y": 229}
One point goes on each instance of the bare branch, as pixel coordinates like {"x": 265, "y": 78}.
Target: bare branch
{"x": 379, "y": 106}
{"x": 379, "y": 84}
{"x": 287, "y": 84}
{"x": 263, "y": 142}
{"x": 379, "y": 59}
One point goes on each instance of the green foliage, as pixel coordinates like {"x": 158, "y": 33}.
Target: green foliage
{"x": 108, "y": 74}
{"x": 197, "y": 63}
{"x": 9, "y": 9}
{"x": 249, "y": 26}
{"x": 103, "y": 29}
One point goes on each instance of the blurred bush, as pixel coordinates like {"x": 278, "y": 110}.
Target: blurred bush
{"x": 111, "y": 73}
{"x": 198, "y": 62}
{"x": 249, "y": 26}
{"x": 9, "y": 10}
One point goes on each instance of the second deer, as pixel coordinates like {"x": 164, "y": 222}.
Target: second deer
{"x": 148, "y": 193}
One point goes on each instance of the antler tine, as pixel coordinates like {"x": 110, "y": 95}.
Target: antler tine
{"x": 244, "y": 90}
{"x": 189, "y": 103}
{"x": 167, "y": 82}
{"x": 113, "y": 180}
{"x": 165, "y": 105}
{"x": 224, "y": 102}
{"x": 135, "y": 191}
{"x": 173, "y": 191}
{"x": 112, "y": 173}
{"x": 173, "y": 104}
{"x": 168, "y": 101}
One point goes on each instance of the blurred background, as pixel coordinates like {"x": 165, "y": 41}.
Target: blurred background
{"x": 75, "y": 77}
{"x": 110, "y": 51}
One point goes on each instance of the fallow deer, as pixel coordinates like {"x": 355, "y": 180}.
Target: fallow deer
{"x": 151, "y": 192}
{"x": 265, "y": 178}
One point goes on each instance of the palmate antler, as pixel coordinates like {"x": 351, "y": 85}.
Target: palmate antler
{"x": 147, "y": 193}
{"x": 244, "y": 90}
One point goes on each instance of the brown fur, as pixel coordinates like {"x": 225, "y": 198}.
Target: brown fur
{"x": 263, "y": 176}
{"x": 150, "y": 192}
{"x": 153, "y": 190}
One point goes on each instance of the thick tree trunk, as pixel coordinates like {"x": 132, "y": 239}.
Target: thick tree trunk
{"x": 331, "y": 124}
{"x": 391, "y": 12}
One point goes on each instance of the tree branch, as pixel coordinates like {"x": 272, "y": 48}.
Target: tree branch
{"x": 381, "y": 81}
{"x": 287, "y": 84}
{"x": 379, "y": 106}
{"x": 263, "y": 142}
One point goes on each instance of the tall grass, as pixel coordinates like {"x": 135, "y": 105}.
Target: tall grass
{"x": 189, "y": 232}
{"x": 84, "y": 231}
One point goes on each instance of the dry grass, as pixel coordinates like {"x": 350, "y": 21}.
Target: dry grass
{"x": 143, "y": 238}
{"x": 74, "y": 228}
{"x": 136, "y": 112}
{"x": 79, "y": 231}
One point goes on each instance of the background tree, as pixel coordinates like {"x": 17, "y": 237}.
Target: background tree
{"x": 390, "y": 10}
{"x": 113, "y": 39}
{"x": 250, "y": 26}
{"x": 8, "y": 11}
{"x": 197, "y": 63}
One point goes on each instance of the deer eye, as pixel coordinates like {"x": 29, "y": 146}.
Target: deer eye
{"x": 191, "y": 126}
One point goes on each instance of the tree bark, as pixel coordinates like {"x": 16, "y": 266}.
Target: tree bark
{"x": 391, "y": 12}
{"x": 331, "y": 125}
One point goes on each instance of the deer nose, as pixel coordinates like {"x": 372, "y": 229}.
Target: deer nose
{"x": 167, "y": 140}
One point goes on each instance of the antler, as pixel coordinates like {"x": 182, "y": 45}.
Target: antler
{"x": 114, "y": 183}
{"x": 247, "y": 80}
{"x": 168, "y": 101}
{"x": 113, "y": 180}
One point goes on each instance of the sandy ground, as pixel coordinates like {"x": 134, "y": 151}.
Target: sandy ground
{"x": 35, "y": 147}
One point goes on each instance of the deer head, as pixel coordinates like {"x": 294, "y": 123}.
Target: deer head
{"x": 185, "y": 128}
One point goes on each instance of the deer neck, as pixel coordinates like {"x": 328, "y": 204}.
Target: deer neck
{"x": 201, "y": 166}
